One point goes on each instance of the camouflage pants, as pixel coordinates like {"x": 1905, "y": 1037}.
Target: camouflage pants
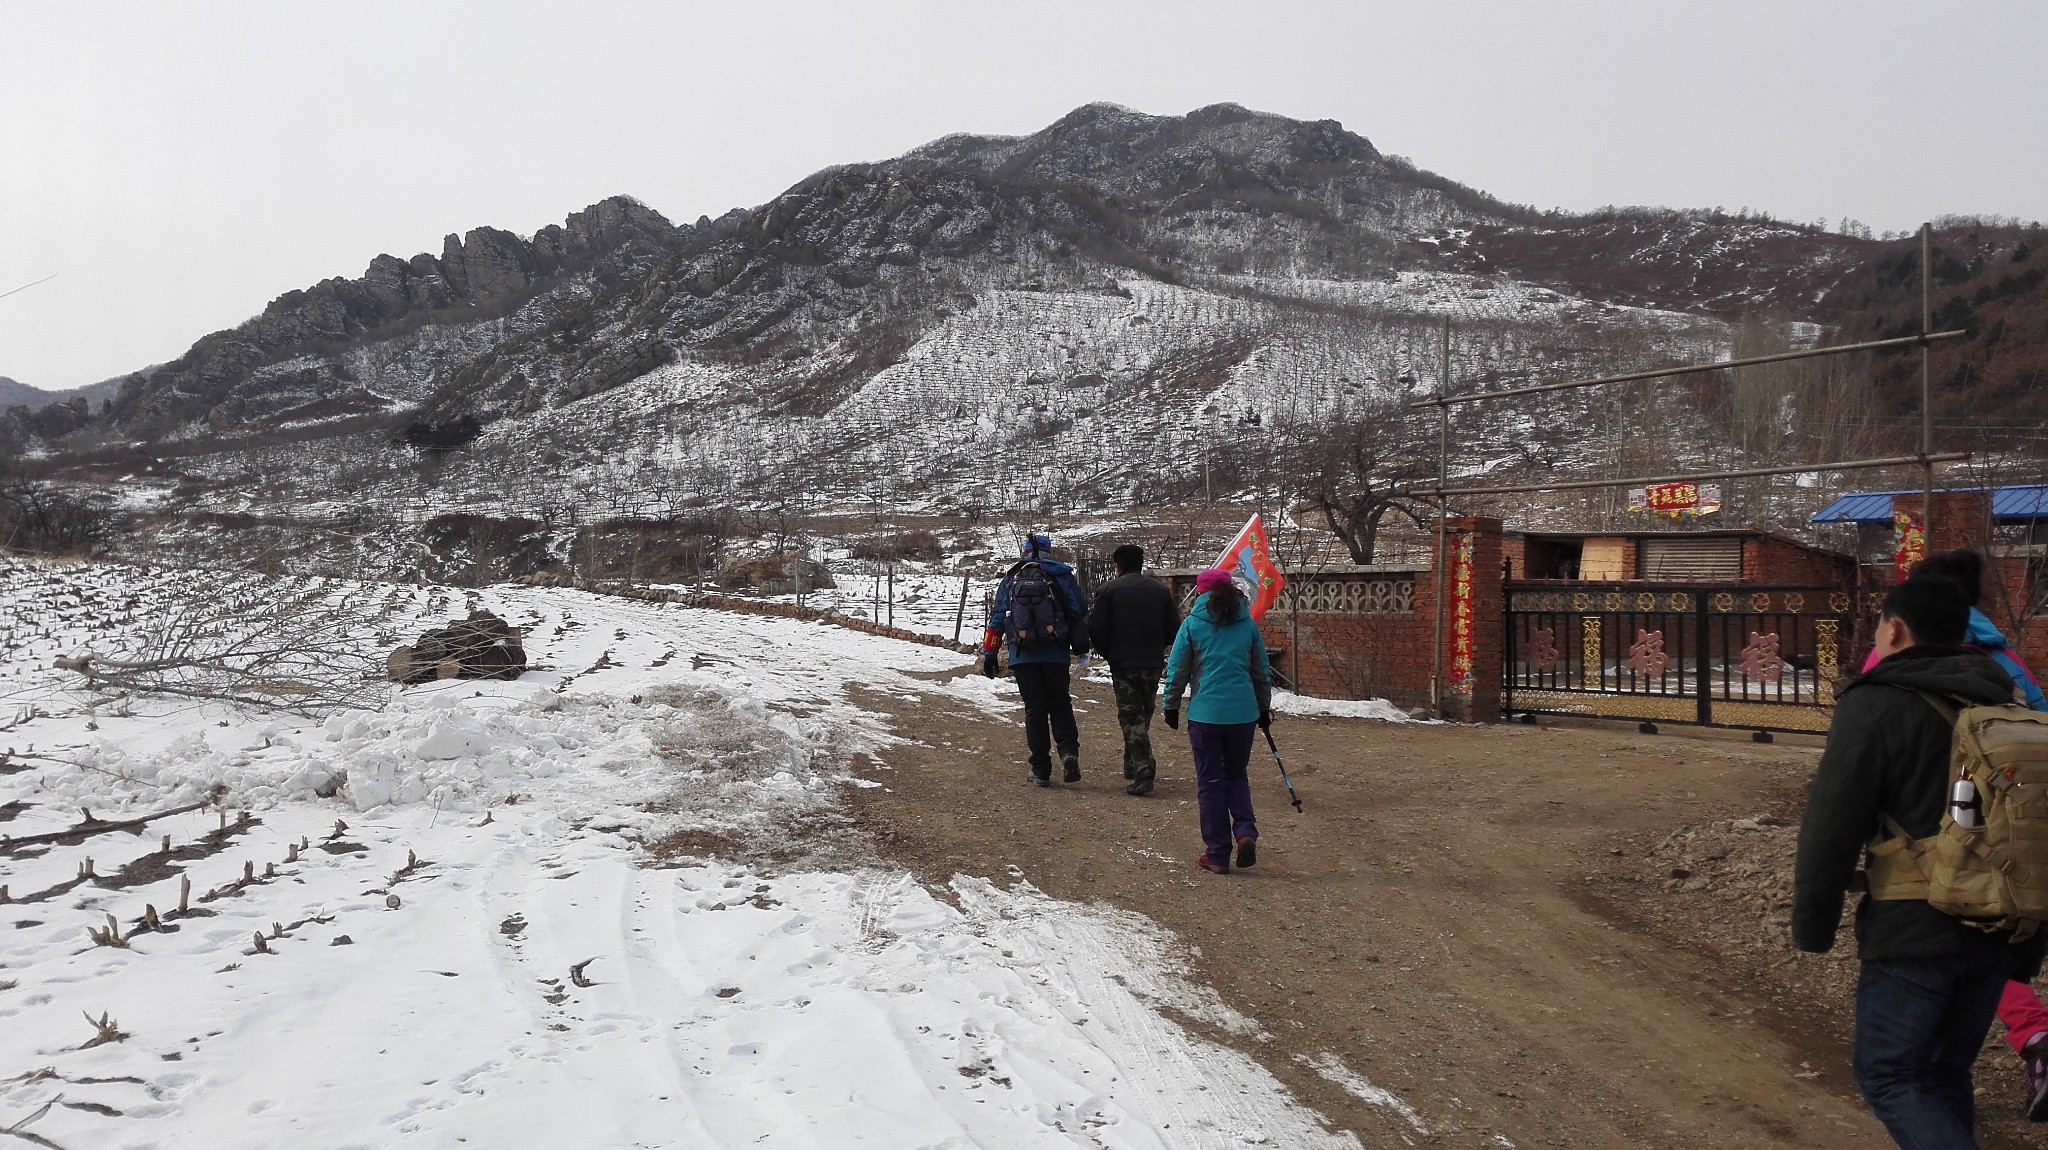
{"x": 1137, "y": 693}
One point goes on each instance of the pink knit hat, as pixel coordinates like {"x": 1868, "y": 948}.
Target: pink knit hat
{"x": 1211, "y": 579}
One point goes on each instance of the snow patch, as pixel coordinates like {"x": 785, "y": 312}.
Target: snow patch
{"x": 1289, "y": 703}
{"x": 1332, "y": 1068}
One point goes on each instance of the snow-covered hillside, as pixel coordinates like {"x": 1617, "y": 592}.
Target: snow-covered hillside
{"x": 485, "y": 913}
{"x": 1018, "y": 400}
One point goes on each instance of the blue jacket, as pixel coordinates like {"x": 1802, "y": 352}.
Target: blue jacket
{"x": 1225, "y": 667}
{"x": 1070, "y": 597}
{"x": 1986, "y": 637}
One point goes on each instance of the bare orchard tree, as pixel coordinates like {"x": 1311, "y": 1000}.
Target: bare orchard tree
{"x": 284, "y": 645}
{"x": 1369, "y": 461}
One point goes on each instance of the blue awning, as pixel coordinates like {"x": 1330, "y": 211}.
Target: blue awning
{"x": 2020, "y": 502}
{"x": 2010, "y": 504}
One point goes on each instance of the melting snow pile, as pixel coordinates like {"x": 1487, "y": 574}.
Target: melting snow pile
{"x": 1289, "y": 703}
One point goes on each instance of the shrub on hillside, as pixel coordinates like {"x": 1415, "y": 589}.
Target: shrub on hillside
{"x": 904, "y": 546}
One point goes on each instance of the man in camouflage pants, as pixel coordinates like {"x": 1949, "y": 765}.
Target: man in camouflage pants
{"x": 1132, "y": 623}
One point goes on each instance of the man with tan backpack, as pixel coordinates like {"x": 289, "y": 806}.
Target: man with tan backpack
{"x": 1933, "y": 771}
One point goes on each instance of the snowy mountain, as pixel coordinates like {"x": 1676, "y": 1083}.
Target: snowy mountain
{"x": 1095, "y": 315}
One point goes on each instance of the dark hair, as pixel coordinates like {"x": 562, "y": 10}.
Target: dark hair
{"x": 1934, "y": 608}
{"x": 1129, "y": 559}
{"x": 1225, "y": 604}
{"x": 1963, "y": 565}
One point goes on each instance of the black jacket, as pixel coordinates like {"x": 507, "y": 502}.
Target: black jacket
{"x": 1888, "y": 751}
{"x": 1132, "y": 622}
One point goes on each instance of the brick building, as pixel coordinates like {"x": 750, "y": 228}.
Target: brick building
{"x": 2009, "y": 525}
{"x": 1718, "y": 556}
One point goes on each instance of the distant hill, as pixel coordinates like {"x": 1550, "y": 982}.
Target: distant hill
{"x": 14, "y": 393}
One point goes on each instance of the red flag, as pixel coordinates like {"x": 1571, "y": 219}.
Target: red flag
{"x": 1249, "y": 557}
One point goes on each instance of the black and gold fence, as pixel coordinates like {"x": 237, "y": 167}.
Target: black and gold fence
{"x": 1765, "y": 658}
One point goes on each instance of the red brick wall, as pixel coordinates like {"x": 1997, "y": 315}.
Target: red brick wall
{"x": 1361, "y": 656}
{"x": 1772, "y": 560}
{"x": 1489, "y": 639}
{"x": 1961, "y": 519}
{"x": 2030, "y": 643}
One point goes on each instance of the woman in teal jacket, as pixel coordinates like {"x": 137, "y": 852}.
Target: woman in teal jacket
{"x": 1220, "y": 655}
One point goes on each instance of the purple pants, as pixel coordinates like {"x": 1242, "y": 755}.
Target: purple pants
{"x": 1223, "y": 794}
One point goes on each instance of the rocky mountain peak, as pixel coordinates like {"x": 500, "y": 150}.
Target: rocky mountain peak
{"x": 1115, "y": 148}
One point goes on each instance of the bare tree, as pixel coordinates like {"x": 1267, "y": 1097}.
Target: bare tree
{"x": 36, "y": 515}
{"x": 1371, "y": 461}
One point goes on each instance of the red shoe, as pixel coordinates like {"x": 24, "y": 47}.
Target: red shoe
{"x": 1211, "y": 865}
{"x": 1247, "y": 851}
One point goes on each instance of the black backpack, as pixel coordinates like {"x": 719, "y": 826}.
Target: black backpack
{"x": 1038, "y": 617}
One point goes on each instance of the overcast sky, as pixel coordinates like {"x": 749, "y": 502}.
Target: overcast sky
{"x": 176, "y": 166}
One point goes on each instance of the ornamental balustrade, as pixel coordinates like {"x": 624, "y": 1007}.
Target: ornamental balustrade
{"x": 1759, "y": 657}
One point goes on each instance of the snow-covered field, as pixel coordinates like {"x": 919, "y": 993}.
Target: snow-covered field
{"x": 486, "y": 915}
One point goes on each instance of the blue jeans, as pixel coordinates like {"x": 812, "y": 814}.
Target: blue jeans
{"x": 1919, "y": 1025}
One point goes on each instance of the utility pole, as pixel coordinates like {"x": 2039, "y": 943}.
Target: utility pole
{"x": 1443, "y": 470}
{"x": 1926, "y": 381}
{"x": 1208, "y": 493}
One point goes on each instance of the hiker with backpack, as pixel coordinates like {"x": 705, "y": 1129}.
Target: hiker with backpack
{"x": 1926, "y": 762}
{"x": 1966, "y": 567}
{"x": 1219, "y": 655}
{"x": 1130, "y": 624}
{"x": 1037, "y": 612}
{"x": 2020, "y": 1008}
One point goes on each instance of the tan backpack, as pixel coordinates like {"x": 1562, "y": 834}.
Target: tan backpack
{"x": 1993, "y": 876}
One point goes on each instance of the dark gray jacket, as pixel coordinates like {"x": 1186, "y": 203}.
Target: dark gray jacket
{"x": 1888, "y": 752}
{"x": 1132, "y": 622}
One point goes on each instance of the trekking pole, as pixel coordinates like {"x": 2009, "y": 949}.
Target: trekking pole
{"x": 1287, "y": 782}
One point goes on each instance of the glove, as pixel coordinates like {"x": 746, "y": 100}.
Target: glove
{"x": 1173, "y": 720}
{"x": 1266, "y": 721}
{"x": 988, "y": 663}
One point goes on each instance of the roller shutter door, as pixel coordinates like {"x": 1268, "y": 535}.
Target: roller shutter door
{"x": 1681, "y": 560}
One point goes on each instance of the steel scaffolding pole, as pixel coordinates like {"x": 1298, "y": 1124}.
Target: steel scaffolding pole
{"x": 1443, "y": 477}
{"x": 1693, "y": 368}
{"x": 1927, "y": 461}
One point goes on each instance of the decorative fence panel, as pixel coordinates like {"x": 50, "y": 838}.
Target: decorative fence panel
{"x": 1756, "y": 657}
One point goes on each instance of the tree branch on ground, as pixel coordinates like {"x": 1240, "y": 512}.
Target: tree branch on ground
{"x": 273, "y": 646}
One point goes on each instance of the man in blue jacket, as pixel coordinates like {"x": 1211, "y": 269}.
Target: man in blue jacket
{"x": 1038, "y": 612}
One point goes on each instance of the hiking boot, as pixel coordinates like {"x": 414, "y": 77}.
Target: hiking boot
{"x": 1038, "y": 780}
{"x": 1247, "y": 851}
{"x": 2036, "y": 1056}
{"x": 1072, "y": 763}
{"x": 1143, "y": 788}
{"x": 1211, "y": 865}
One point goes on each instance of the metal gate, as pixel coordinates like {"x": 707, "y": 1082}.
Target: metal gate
{"x": 1763, "y": 658}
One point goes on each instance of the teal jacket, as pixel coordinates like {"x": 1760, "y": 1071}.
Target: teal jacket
{"x": 1225, "y": 667}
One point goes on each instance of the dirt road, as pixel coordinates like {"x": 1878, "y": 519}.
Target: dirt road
{"x": 1438, "y": 917}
